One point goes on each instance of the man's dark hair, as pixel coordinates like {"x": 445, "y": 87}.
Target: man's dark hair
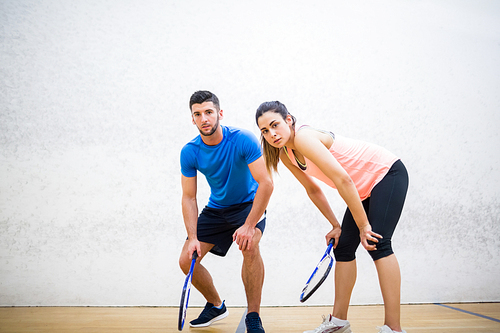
{"x": 202, "y": 96}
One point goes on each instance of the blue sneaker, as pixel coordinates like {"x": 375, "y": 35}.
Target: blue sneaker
{"x": 254, "y": 324}
{"x": 210, "y": 314}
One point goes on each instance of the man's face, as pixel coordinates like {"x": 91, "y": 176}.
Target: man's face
{"x": 206, "y": 117}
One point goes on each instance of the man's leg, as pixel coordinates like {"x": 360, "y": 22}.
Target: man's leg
{"x": 202, "y": 280}
{"x": 252, "y": 273}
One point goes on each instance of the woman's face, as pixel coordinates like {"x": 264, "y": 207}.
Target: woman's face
{"x": 275, "y": 130}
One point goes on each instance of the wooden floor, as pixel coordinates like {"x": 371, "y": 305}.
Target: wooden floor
{"x": 428, "y": 318}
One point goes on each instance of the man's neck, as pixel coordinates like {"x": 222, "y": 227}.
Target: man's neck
{"x": 215, "y": 138}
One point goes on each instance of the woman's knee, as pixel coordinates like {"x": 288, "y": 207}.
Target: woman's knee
{"x": 384, "y": 249}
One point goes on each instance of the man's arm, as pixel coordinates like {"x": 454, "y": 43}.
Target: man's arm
{"x": 243, "y": 236}
{"x": 190, "y": 212}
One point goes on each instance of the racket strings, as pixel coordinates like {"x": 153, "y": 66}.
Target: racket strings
{"x": 318, "y": 277}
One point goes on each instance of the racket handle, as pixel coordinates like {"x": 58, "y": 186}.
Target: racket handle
{"x": 332, "y": 241}
{"x": 195, "y": 255}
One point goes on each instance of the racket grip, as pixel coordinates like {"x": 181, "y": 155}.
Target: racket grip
{"x": 332, "y": 241}
{"x": 195, "y": 255}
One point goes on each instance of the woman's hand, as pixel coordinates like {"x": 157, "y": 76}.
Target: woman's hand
{"x": 368, "y": 238}
{"x": 335, "y": 234}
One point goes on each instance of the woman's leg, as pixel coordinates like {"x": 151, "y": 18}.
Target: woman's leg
{"x": 385, "y": 207}
{"x": 345, "y": 278}
{"x": 345, "y": 266}
{"x": 389, "y": 277}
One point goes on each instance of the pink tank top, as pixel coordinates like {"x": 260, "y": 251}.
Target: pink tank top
{"x": 366, "y": 163}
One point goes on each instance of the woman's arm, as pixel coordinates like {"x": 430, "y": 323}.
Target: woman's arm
{"x": 317, "y": 197}
{"x": 309, "y": 143}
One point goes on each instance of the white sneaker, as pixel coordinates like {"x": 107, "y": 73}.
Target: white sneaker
{"x": 387, "y": 329}
{"x": 331, "y": 324}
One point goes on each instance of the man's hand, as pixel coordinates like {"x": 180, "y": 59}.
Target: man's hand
{"x": 193, "y": 246}
{"x": 243, "y": 236}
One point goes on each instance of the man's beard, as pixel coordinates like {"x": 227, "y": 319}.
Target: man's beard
{"x": 214, "y": 128}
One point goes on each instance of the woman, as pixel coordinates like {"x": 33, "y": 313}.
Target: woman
{"x": 373, "y": 183}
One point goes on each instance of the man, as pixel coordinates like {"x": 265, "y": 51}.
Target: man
{"x": 232, "y": 162}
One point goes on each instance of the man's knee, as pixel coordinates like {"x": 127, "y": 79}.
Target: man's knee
{"x": 256, "y": 240}
{"x": 184, "y": 263}
{"x": 252, "y": 252}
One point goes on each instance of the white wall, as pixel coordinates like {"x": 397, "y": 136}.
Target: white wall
{"x": 94, "y": 111}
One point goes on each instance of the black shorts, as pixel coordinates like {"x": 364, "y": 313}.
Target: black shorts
{"x": 383, "y": 208}
{"x": 217, "y": 226}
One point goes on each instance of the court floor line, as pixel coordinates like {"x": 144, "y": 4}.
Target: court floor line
{"x": 469, "y": 312}
{"x": 242, "y": 327}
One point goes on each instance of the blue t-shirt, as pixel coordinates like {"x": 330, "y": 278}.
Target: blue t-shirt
{"x": 225, "y": 166}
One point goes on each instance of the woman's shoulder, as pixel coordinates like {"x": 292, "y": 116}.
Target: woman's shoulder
{"x": 306, "y": 131}
{"x": 308, "y": 137}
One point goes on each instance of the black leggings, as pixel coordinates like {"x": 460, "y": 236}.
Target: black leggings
{"x": 383, "y": 209}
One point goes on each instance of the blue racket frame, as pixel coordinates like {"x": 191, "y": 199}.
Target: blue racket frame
{"x": 186, "y": 289}
{"x": 303, "y": 296}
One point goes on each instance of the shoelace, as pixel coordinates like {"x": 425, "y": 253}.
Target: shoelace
{"x": 205, "y": 311}
{"x": 253, "y": 323}
{"x": 320, "y": 327}
{"x": 326, "y": 324}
